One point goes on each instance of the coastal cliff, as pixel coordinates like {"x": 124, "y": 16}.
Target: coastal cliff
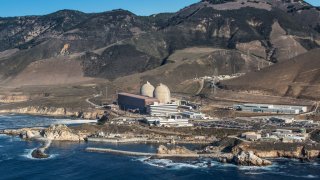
{"x": 13, "y": 98}
{"x": 53, "y": 133}
{"x": 54, "y": 111}
{"x": 286, "y": 150}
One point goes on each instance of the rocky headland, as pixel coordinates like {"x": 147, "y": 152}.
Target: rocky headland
{"x": 45, "y": 136}
{"x": 243, "y": 158}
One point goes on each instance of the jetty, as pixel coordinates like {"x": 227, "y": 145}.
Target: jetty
{"x": 142, "y": 140}
{"x": 132, "y": 153}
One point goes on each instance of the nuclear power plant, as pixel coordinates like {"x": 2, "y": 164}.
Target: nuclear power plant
{"x": 162, "y": 92}
{"x": 147, "y": 90}
{"x": 151, "y": 100}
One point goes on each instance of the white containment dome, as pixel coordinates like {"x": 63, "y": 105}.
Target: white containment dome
{"x": 147, "y": 90}
{"x": 162, "y": 93}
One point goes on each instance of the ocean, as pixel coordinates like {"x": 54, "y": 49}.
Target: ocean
{"x": 70, "y": 161}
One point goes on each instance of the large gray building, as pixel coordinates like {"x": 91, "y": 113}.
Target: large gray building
{"x": 157, "y": 109}
{"x": 269, "y": 108}
{"x": 128, "y": 101}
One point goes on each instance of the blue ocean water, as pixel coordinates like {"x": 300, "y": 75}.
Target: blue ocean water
{"x": 70, "y": 161}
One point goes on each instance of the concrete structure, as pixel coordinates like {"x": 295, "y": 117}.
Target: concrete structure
{"x": 172, "y": 121}
{"x": 147, "y": 90}
{"x": 289, "y": 136}
{"x": 175, "y": 121}
{"x": 194, "y": 115}
{"x": 157, "y": 109}
{"x": 270, "y": 138}
{"x": 269, "y": 108}
{"x": 162, "y": 93}
{"x": 128, "y": 101}
{"x": 251, "y": 136}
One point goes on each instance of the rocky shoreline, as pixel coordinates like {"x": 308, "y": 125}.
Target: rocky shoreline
{"x": 278, "y": 150}
{"x": 55, "y": 112}
{"x": 241, "y": 159}
{"x": 240, "y": 153}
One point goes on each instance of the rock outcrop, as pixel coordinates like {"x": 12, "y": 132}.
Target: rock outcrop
{"x": 53, "y": 111}
{"x": 176, "y": 150}
{"x": 250, "y": 159}
{"x": 286, "y": 150}
{"x": 38, "y": 154}
{"x": 52, "y": 133}
{"x": 46, "y": 136}
{"x": 13, "y": 98}
{"x": 60, "y": 133}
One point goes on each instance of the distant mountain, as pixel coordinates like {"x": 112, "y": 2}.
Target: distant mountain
{"x": 250, "y": 34}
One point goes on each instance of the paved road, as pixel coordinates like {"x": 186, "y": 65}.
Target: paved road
{"x": 93, "y": 104}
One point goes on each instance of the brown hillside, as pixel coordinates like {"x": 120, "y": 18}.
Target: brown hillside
{"x": 298, "y": 77}
{"x": 53, "y": 71}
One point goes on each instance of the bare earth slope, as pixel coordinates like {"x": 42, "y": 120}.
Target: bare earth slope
{"x": 298, "y": 77}
{"x": 55, "y": 71}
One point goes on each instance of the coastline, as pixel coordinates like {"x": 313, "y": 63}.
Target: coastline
{"x": 54, "y": 112}
{"x": 240, "y": 150}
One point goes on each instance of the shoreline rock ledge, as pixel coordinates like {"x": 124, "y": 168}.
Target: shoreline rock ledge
{"x": 176, "y": 150}
{"x": 250, "y": 159}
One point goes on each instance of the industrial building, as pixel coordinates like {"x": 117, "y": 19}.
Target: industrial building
{"x": 269, "y": 108}
{"x": 155, "y": 101}
{"x": 289, "y": 136}
{"x": 251, "y": 136}
{"x": 147, "y": 90}
{"x": 194, "y": 115}
{"x": 161, "y": 92}
{"x": 172, "y": 121}
{"x": 128, "y": 101}
{"x": 157, "y": 109}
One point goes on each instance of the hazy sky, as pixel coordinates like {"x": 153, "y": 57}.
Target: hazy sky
{"x": 140, "y": 7}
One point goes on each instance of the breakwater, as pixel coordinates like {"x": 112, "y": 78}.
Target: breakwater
{"x": 132, "y": 153}
{"x": 143, "y": 140}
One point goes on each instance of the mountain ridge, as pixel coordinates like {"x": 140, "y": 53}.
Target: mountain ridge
{"x": 118, "y": 43}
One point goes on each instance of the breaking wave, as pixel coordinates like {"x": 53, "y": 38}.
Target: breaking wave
{"x": 170, "y": 164}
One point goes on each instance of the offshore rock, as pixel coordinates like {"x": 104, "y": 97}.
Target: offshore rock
{"x": 39, "y": 154}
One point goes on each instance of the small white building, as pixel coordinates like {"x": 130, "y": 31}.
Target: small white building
{"x": 289, "y": 136}
{"x": 251, "y": 136}
{"x": 192, "y": 115}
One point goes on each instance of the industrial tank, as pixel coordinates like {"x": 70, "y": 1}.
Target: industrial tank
{"x": 162, "y": 93}
{"x": 147, "y": 90}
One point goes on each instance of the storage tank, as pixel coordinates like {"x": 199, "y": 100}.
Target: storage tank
{"x": 162, "y": 93}
{"x": 147, "y": 90}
